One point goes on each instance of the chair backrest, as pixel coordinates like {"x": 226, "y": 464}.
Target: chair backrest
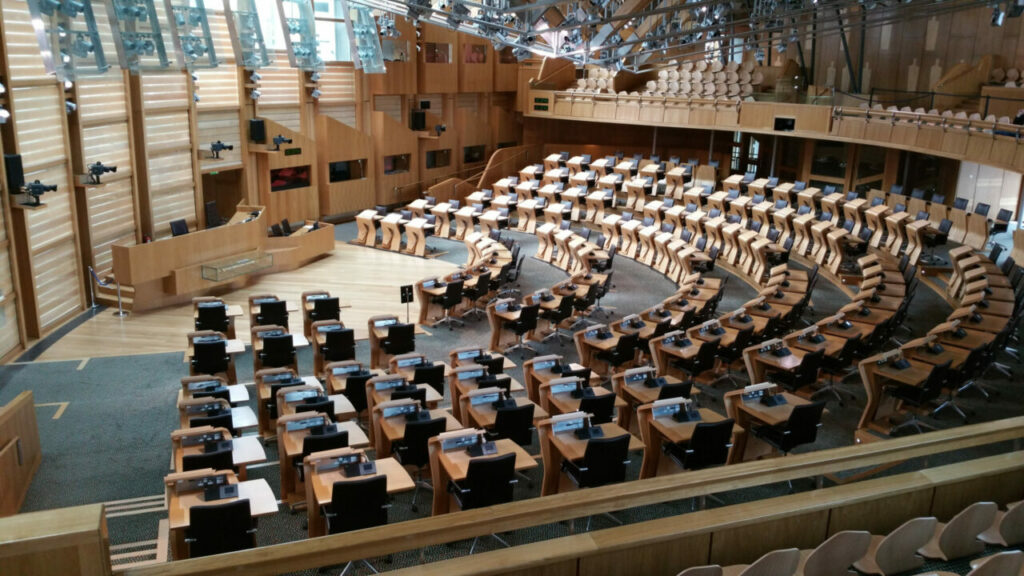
{"x": 355, "y": 391}
{"x": 898, "y": 551}
{"x": 528, "y": 317}
{"x": 326, "y": 309}
{"x": 482, "y": 286}
{"x": 714, "y": 570}
{"x": 286, "y": 226}
{"x": 432, "y": 375}
{"x": 320, "y": 442}
{"x": 944, "y": 226}
{"x": 706, "y": 356}
{"x": 489, "y": 481}
{"x": 340, "y": 345}
{"x": 602, "y": 407}
{"x": 359, "y": 503}
{"x": 219, "y": 528}
{"x": 401, "y": 339}
{"x": 834, "y": 556}
{"x": 809, "y": 366}
{"x": 1011, "y": 525}
{"x": 273, "y": 313}
{"x": 219, "y": 421}
{"x": 516, "y": 424}
{"x": 219, "y": 460}
{"x": 278, "y": 351}
{"x": 323, "y": 406}
{"x": 775, "y": 563}
{"x": 212, "y": 216}
{"x": 418, "y": 394}
{"x": 627, "y": 344}
{"x": 210, "y": 357}
{"x": 605, "y": 460}
{"x": 212, "y": 318}
{"x": 959, "y": 536}
{"x": 1010, "y": 562}
{"x": 414, "y": 443}
{"x": 803, "y": 424}
{"x": 932, "y": 386}
{"x": 982, "y": 209}
{"x": 678, "y": 390}
{"x": 709, "y": 445}
{"x": 179, "y": 227}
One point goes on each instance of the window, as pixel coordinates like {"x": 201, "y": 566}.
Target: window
{"x": 439, "y": 158}
{"x": 474, "y": 53}
{"x": 345, "y": 170}
{"x": 396, "y": 164}
{"x": 829, "y": 159}
{"x": 289, "y": 178}
{"x": 331, "y": 35}
{"x": 473, "y": 154}
{"x": 434, "y": 53}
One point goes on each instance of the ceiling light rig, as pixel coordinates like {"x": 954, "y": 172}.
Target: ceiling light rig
{"x": 621, "y": 36}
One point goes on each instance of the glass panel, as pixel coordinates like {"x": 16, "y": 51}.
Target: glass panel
{"x": 829, "y": 159}
{"x": 236, "y": 266}
{"x": 870, "y": 161}
{"x": 473, "y": 154}
{"x": 439, "y": 158}
{"x": 474, "y": 53}
{"x": 396, "y": 164}
{"x": 301, "y": 30}
{"x": 250, "y": 45}
{"x": 68, "y": 30}
{"x": 435, "y": 53}
{"x": 192, "y": 27}
{"x": 345, "y": 170}
{"x": 332, "y": 41}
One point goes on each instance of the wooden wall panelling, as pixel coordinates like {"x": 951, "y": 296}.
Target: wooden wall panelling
{"x": 401, "y": 75}
{"x": 337, "y": 141}
{"x": 506, "y": 126}
{"x": 448, "y": 140}
{"x": 219, "y": 124}
{"x": 280, "y": 91}
{"x": 880, "y": 515}
{"x": 506, "y": 71}
{"x": 664, "y": 558}
{"x": 53, "y": 542}
{"x": 20, "y": 451}
{"x": 1001, "y": 489}
{"x": 12, "y": 326}
{"x": 47, "y": 247}
{"x": 744, "y": 544}
{"x": 527, "y": 72}
{"x": 474, "y": 129}
{"x": 25, "y": 65}
{"x": 476, "y": 64}
{"x": 391, "y": 138}
{"x": 508, "y": 161}
{"x": 347, "y": 114}
{"x": 296, "y": 204}
{"x": 442, "y": 77}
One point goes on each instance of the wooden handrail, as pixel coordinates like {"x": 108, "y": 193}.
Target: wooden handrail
{"x": 341, "y": 548}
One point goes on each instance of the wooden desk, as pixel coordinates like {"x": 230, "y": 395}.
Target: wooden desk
{"x": 750, "y": 414}
{"x": 758, "y": 363}
{"x": 875, "y": 377}
{"x": 245, "y": 450}
{"x": 457, "y": 388}
{"x": 453, "y": 465}
{"x": 289, "y": 448}
{"x": 484, "y": 415}
{"x": 320, "y": 487}
{"x": 566, "y": 446}
{"x": 388, "y": 430}
{"x": 637, "y": 394}
{"x": 262, "y": 502}
{"x": 267, "y": 424}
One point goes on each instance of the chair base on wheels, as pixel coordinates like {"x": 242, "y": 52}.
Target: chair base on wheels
{"x": 521, "y": 345}
{"x": 912, "y": 422}
{"x": 448, "y": 320}
{"x": 500, "y": 540}
{"x": 950, "y": 402}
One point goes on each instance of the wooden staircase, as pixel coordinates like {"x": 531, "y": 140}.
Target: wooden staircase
{"x": 107, "y": 295}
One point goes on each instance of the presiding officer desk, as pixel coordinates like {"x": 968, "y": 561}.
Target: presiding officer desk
{"x": 172, "y": 270}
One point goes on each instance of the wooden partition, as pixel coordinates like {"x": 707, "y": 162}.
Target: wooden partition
{"x": 20, "y": 452}
{"x": 341, "y": 548}
{"x": 274, "y": 169}
{"x": 438, "y": 61}
{"x": 508, "y": 161}
{"x": 337, "y": 142}
{"x": 450, "y": 189}
{"x": 280, "y": 91}
{"x": 394, "y": 181}
{"x": 472, "y": 117}
{"x": 10, "y": 316}
{"x": 56, "y": 543}
{"x": 435, "y": 144}
{"x": 401, "y": 74}
{"x": 476, "y": 64}
{"x": 506, "y": 71}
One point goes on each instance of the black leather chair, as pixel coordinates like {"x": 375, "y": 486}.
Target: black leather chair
{"x": 318, "y": 443}
{"x": 220, "y": 528}
{"x": 602, "y": 407}
{"x": 488, "y": 481}
{"x": 623, "y": 353}
{"x": 516, "y": 424}
{"x": 449, "y": 300}
{"x": 322, "y": 405}
{"x": 933, "y": 239}
{"x": 663, "y": 327}
{"x": 677, "y": 390}
{"x": 219, "y": 460}
{"x": 401, "y": 339}
{"x": 806, "y": 374}
{"x": 526, "y": 322}
{"x": 355, "y": 391}
{"x": 801, "y": 428}
{"x": 210, "y": 357}
{"x": 476, "y": 292}
{"x": 432, "y": 375}
{"x": 418, "y": 394}
{"x": 278, "y": 351}
{"x": 273, "y": 314}
{"x": 412, "y": 450}
{"x": 212, "y": 316}
{"x": 222, "y": 420}
{"x": 920, "y": 396}
{"x": 839, "y": 365}
{"x": 603, "y": 290}
{"x": 179, "y": 227}
{"x": 323, "y": 309}
{"x": 340, "y": 345}
{"x": 709, "y": 446}
{"x": 702, "y": 362}
{"x": 732, "y": 353}
{"x": 604, "y": 462}
{"x": 556, "y": 316}
{"x": 584, "y": 306}
{"x": 357, "y": 504}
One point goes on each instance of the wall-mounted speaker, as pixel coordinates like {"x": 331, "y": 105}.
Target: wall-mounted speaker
{"x": 15, "y": 172}
{"x": 257, "y": 130}
{"x": 417, "y": 121}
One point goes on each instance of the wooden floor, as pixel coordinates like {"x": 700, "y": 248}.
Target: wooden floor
{"x": 365, "y": 280}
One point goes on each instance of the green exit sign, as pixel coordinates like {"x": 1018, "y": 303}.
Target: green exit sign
{"x": 292, "y": 151}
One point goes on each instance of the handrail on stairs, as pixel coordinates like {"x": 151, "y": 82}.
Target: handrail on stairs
{"x": 121, "y": 312}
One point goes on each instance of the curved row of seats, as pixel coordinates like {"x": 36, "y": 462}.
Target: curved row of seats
{"x": 902, "y": 550}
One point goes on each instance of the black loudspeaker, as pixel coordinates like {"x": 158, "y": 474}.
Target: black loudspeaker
{"x": 15, "y": 172}
{"x": 418, "y": 121}
{"x": 257, "y": 130}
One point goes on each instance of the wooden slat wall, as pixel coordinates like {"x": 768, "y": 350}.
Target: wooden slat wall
{"x": 220, "y": 125}
{"x": 168, "y": 150}
{"x": 287, "y": 116}
{"x": 338, "y": 83}
{"x": 22, "y": 48}
{"x": 9, "y": 336}
{"x": 50, "y": 239}
{"x": 436, "y": 103}
{"x": 390, "y": 105}
{"x": 280, "y": 94}
{"x": 344, "y": 113}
